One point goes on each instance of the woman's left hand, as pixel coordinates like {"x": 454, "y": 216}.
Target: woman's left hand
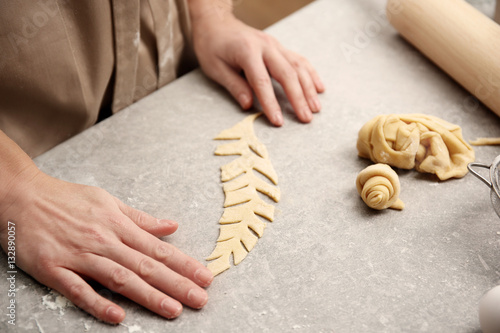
{"x": 226, "y": 47}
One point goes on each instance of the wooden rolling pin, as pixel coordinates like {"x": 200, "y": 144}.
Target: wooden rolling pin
{"x": 458, "y": 38}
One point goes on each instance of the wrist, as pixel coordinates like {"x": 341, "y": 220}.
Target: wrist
{"x": 17, "y": 170}
{"x": 201, "y": 11}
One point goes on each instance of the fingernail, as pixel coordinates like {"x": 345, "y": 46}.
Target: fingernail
{"x": 114, "y": 315}
{"x": 278, "y": 119}
{"x": 167, "y": 222}
{"x": 198, "y": 297}
{"x": 171, "y": 308}
{"x": 317, "y": 104}
{"x": 307, "y": 114}
{"x": 244, "y": 100}
{"x": 321, "y": 85}
{"x": 203, "y": 276}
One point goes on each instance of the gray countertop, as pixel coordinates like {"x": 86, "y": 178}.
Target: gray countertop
{"x": 327, "y": 263}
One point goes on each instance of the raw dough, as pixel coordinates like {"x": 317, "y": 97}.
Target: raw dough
{"x": 378, "y": 185}
{"x": 419, "y": 141}
{"x": 240, "y": 225}
{"x": 485, "y": 142}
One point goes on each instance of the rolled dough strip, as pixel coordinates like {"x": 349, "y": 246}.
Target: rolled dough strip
{"x": 378, "y": 185}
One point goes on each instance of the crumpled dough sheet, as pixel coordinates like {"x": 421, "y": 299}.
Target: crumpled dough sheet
{"x": 426, "y": 143}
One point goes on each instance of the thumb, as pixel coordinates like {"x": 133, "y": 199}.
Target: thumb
{"x": 156, "y": 227}
{"x": 234, "y": 83}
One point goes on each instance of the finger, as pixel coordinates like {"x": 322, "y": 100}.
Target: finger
{"x": 166, "y": 254}
{"x": 296, "y": 59}
{"x": 260, "y": 81}
{"x": 125, "y": 282}
{"x": 163, "y": 278}
{"x": 233, "y": 82}
{"x": 156, "y": 227}
{"x": 309, "y": 89}
{"x": 287, "y": 76}
{"x": 74, "y": 288}
{"x": 318, "y": 83}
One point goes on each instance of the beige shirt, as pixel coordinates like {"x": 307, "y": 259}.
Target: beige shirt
{"x": 65, "y": 63}
{"x": 497, "y": 12}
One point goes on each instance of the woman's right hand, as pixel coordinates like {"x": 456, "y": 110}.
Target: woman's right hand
{"x": 67, "y": 233}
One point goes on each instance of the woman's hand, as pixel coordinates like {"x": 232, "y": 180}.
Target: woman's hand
{"x": 225, "y": 47}
{"x": 67, "y": 233}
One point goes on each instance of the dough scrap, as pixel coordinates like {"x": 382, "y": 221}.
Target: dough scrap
{"x": 378, "y": 185}
{"x": 240, "y": 225}
{"x": 485, "y": 142}
{"x": 426, "y": 143}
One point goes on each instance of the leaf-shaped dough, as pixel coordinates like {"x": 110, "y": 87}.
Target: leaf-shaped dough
{"x": 238, "y": 213}
{"x": 251, "y": 221}
{"x": 240, "y": 227}
{"x": 248, "y": 162}
{"x": 244, "y": 132}
{"x": 246, "y": 236}
{"x": 248, "y": 178}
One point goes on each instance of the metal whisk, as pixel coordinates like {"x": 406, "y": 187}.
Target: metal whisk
{"x": 493, "y": 183}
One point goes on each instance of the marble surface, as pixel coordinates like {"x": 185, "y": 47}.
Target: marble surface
{"x": 327, "y": 263}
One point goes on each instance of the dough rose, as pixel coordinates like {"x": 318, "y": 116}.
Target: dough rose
{"x": 419, "y": 141}
{"x": 379, "y": 187}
